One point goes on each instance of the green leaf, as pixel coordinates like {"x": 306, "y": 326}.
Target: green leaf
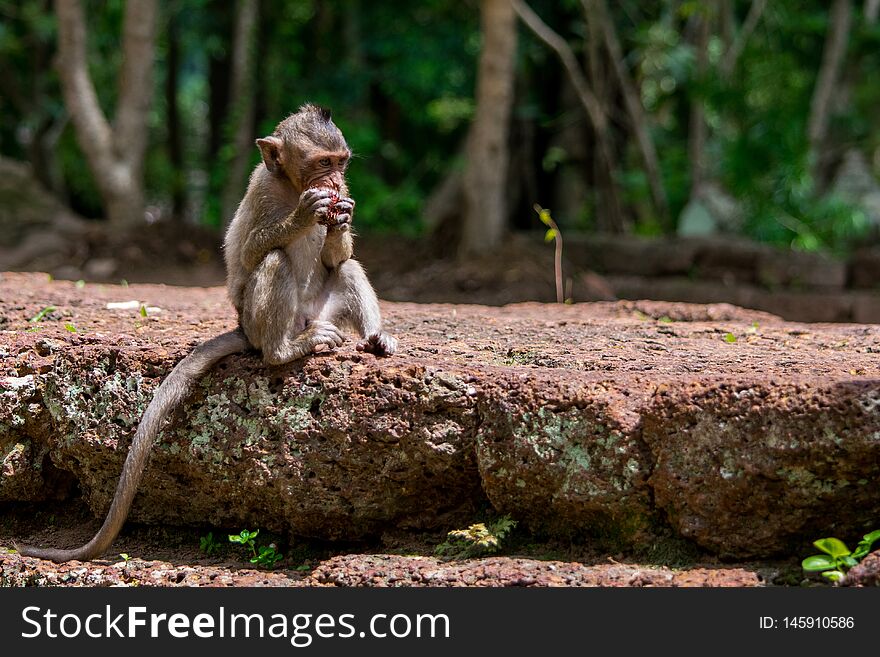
{"x": 833, "y": 575}
{"x": 817, "y": 562}
{"x": 833, "y": 546}
{"x": 143, "y": 310}
{"x": 543, "y": 215}
{"x": 870, "y": 539}
{"x": 70, "y": 327}
{"x": 550, "y": 235}
{"x": 730, "y": 337}
{"x": 42, "y": 314}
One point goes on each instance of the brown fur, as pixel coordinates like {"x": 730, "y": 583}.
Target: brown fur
{"x": 290, "y": 276}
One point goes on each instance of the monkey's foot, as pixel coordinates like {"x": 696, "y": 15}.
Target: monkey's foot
{"x": 324, "y": 335}
{"x": 380, "y": 344}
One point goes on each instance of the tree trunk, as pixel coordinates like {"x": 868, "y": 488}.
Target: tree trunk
{"x": 833, "y": 55}
{"x": 734, "y": 46}
{"x": 872, "y": 9}
{"x": 639, "y": 121}
{"x": 698, "y": 130}
{"x": 175, "y": 139}
{"x": 217, "y": 17}
{"x": 115, "y": 154}
{"x": 240, "y": 116}
{"x": 612, "y": 219}
{"x": 485, "y": 207}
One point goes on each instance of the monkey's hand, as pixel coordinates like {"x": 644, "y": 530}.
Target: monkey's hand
{"x": 314, "y": 203}
{"x": 338, "y": 215}
{"x": 381, "y": 344}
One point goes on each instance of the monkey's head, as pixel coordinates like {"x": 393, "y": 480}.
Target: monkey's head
{"x": 307, "y": 149}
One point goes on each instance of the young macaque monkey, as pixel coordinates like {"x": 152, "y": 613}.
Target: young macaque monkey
{"x": 290, "y": 276}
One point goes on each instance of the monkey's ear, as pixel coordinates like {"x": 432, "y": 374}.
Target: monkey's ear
{"x": 270, "y": 149}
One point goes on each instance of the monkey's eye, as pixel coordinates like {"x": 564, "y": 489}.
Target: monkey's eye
{"x": 343, "y": 161}
{"x": 325, "y": 162}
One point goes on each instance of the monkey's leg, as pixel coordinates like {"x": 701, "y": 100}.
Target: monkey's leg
{"x": 272, "y": 319}
{"x": 351, "y": 300}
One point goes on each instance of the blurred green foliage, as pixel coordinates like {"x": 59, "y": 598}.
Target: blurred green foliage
{"x": 400, "y": 81}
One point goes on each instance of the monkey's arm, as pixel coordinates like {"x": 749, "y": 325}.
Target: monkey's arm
{"x": 338, "y": 247}
{"x": 339, "y": 244}
{"x": 275, "y": 233}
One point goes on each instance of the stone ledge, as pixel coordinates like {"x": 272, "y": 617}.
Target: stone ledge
{"x": 626, "y": 420}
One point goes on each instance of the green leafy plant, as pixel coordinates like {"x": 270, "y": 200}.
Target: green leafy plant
{"x": 245, "y": 538}
{"x": 553, "y": 233}
{"x": 838, "y": 558}
{"x": 267, "y": 555}
{"x": 476, "y": 540}
{"x": 730, "y": 337}
{"x": 208, "y": 544}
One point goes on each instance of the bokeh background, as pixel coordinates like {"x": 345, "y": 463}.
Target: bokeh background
{"x": 695, "y": 151}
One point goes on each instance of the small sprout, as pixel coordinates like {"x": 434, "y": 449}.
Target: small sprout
{"x": 267, "y": 555}
{"x": 40, "y": 316}
{"x": 80, "y": 284}
{"x": 123, "y": 283}
{"x": 666, "y": 319}
{"x": 244, "y": 537}
{"x": 730, "y": 337}
{"x": 125, "y": 557}
{"x": 70, "y": 327}
{"x": 477, "y": 539}
{"x": 553, "y": 234}
{"x": 838, "y": 558}
{"x": 143, "y": 310}
{"x": 208, "y": 544}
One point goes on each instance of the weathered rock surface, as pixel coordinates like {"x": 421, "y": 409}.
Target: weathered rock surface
{"x": 867, "y": 573}
{"x": 626, "y": 421}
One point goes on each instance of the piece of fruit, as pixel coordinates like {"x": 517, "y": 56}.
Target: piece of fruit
{"x": 332, "y": 210}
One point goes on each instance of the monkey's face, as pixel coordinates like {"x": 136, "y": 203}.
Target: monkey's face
{"x": 322, "y": 168}
{"x": 308, "y": 150}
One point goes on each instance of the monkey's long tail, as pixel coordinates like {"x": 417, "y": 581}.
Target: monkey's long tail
{"x": 170, "y": 393}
